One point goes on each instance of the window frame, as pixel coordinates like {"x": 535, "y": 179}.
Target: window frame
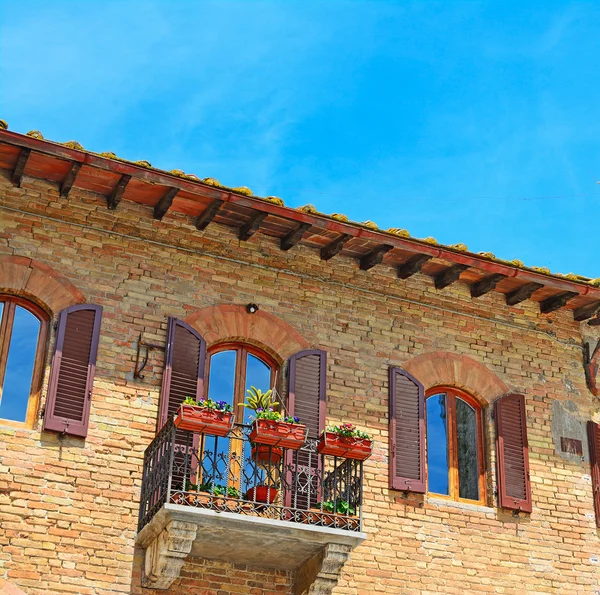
{"x": 452, "y": 394}
{"x": 6, "y": 326}
{"x": 239, "y": 387}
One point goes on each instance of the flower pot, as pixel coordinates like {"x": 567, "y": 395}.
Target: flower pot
{"x": 263, "y": 494}
{"x": 342, "y": 446}
{"x": 266, "y": 454}
{"x": 278, "y": 433}
{"x": 203, "y": 420}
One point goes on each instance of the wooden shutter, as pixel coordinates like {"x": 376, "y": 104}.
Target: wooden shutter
{"x": 306, "y": 389}
{"x": 594, "y": 439}
{"x": 73, "y": 369}
{"x": 183, "y": 376}
{"x": 406, "y": 432}
{"x": 512, "y": 455}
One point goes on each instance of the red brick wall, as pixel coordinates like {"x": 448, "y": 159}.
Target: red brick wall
{"x": 68, "y": 510}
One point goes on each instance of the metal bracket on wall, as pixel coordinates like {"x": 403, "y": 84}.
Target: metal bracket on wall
{"x": 591, "y": 361}
{"x": 139, "y": 366}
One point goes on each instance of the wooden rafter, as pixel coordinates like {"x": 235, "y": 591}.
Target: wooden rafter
{"x": 293, "y": 237}
{"x": 556, "y": 301}
{"x": 591, "y": 360}
{"x": 369, "y": 260}
{"x": 69, "y": 180}
{"x": 209, "y": 214}
{"x": 117, "y": 194}
{"x": 164, "y": 204}
{"x": 412, "y": 265}
{"x": 595, "y": 321}
{"x": 585, "y": 312}
{"x": 449, "y": 275}
{"x": 19, "y": 170}
{"x": 522, "y": 293}
{"x": 486, "y": 284}
{"x": 247, "y": 230}
{"x": 335, "y": 247}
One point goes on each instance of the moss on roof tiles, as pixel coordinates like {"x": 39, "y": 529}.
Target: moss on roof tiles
{"x": 35, "y": 134}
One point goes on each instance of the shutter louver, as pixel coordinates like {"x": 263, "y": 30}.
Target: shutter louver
{"x": 406, "y": 432}
{"x": 512, "y": 454}
{"x": 183, "y": 376}
{"x": 594, "y": 440}
{"x": 307, "y": 383}
{"x": 73, "y": 369}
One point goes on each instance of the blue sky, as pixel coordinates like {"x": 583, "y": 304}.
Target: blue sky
{"x": 473, "y": 122}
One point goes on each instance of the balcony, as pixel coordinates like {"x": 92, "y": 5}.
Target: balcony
{"x": 227, "y": 499}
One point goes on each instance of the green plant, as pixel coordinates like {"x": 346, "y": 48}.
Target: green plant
{"x": 209, "y": 404}
{"x": 221, "y": 490}
{"x": 349, "y": 431}
{"x": 190, "y": 487}
{"x": 343, "y": 507}
{"x": 259, "y": 401}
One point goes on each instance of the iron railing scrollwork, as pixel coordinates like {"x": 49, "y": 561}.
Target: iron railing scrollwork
{"x": 231, "y": 474}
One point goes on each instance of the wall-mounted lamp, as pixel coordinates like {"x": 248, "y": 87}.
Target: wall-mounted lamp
{"x": 251, "y": 308}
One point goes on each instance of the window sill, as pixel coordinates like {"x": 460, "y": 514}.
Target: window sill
{"x": 460, "y": 505}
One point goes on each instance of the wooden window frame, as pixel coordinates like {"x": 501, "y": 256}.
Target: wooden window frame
{"x": 6, "y": 325}
{"x": 453, "y": 485}
{"x": 239, "y": 387}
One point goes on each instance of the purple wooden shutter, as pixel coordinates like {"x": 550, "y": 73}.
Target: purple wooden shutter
{"x": 183, "y": 376}
{"x": 594, "y": 439}
{"x": 73, "y": 368}
{"x": 306, "y": 389}
{"x": 406, "y": 432}
{"x": 512, "y": 453}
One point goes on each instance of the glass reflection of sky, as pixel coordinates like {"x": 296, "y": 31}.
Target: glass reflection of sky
{"x": 221, "y": 381}
{"x": 468, "y": 463}
{"x": 258, "y": 374}
{"x": 19, "y": 366}
{"x": 437, "y": 445}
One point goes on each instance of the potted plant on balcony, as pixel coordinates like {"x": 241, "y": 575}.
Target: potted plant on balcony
{"x": 345, "y": 441}
{"x": 205, "y": 417}
{"x": 265, "y": 494}
{"x": 270, "y": 427}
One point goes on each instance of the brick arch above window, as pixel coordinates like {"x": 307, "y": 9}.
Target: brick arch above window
{"x": 440, "y": 368}
{"x": 30, "y": 278}
{"x": 227, "y": 322}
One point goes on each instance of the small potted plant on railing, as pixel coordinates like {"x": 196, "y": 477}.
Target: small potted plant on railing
{"x": 345, "y": 441}
{"x": 270, "y": 427}
{"x": 205, "y": 417}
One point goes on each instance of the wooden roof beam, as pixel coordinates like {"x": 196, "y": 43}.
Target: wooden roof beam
{"x": 556, "y": 301}
{"x": 69, "y": 180}
{"x": 486, "y": 284}
{"x": 164, "y": 204}
{"x": 522, "y": 293}
{"x": 209, "y": 214}
{"x": 247, "y": 230}
{"x": 331, "y": 250}
{"x": 595, "y": 321}
{"x": 117, "y": 194}
{"x": 585, "y": 312}
{"x": 293, "y": 237}
{"x": 17, "y": 174}
{"x": 449, "y": 275}
{"x": 412, "y": 265}
{"x": 369, "y": 260}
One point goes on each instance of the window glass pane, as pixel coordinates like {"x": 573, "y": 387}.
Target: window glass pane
{"x": 221, "y": 380}
{"x": 258, "y": 374}
{"x": 437, "y": 445}
{"x": 19, "y": 366}
{"x": 468, "y": 463}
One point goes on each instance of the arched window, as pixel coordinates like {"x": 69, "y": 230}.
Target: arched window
{"x": 233, "y": 369}
{"x": 23, "y": 332}
{"x": 455, "y": 458}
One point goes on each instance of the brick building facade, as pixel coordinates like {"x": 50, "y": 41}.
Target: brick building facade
{"x": 173, "y": 246}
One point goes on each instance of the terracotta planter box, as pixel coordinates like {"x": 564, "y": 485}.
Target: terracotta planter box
{"x": 278, "y": 433}
{"x": 203, "y": 421}
{"x": 262, "y": 494}
{"x": 348, "y": 448}
{"x": 264, "y": 453}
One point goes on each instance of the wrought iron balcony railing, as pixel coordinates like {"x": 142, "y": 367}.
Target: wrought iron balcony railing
{"x": 231, "y": 474}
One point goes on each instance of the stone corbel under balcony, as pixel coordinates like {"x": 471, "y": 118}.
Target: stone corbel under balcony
{"x": 316, "y": 554}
